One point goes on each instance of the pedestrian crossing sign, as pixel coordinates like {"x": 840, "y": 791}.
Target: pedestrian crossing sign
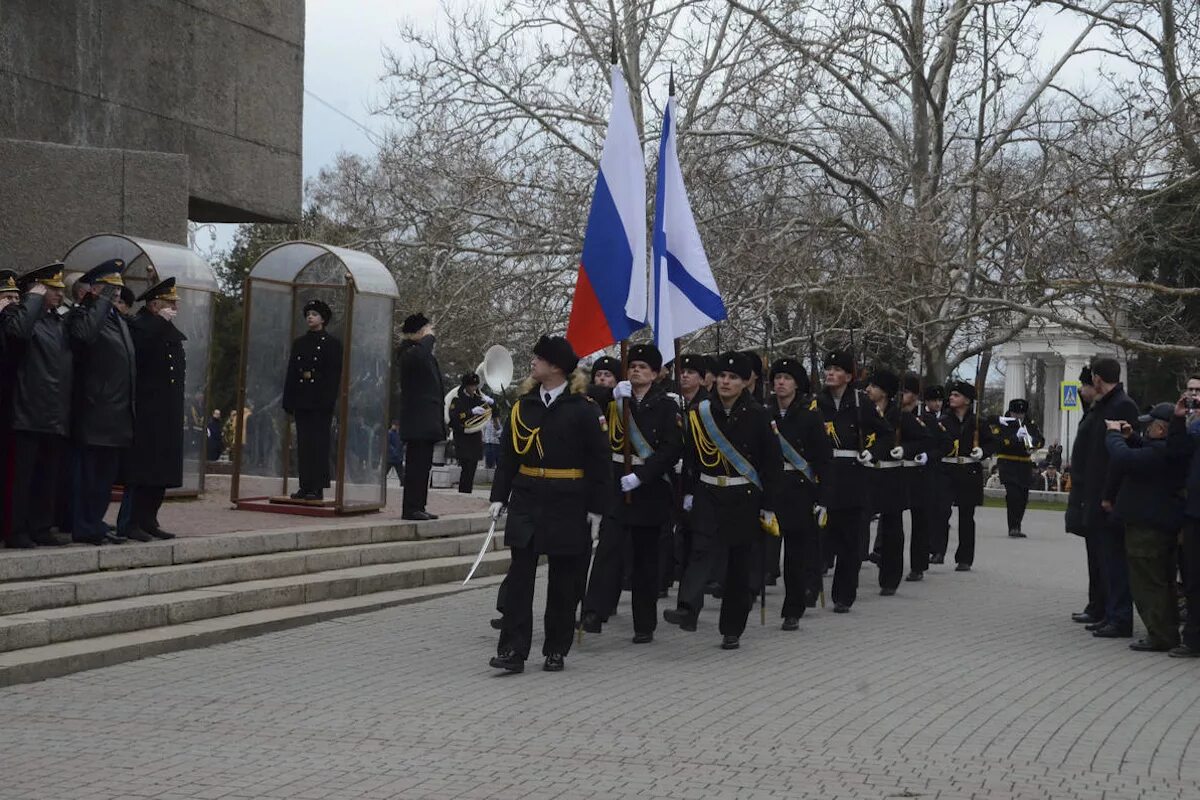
{"x": 1068, "y": 396}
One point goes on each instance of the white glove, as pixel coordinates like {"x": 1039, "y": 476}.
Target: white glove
{"x": 630, "y": 482}
{"x": 495, "y": 510}
{"x": 623, "y": 389}
{"x": 1024, "y": 435}
{"x": 922, "y": 459}
{"x": 687, "y": 502}
{"x": 490, "y": 401}
{"x": 897, "y": 452}
{"x": 768, "y": 517}
{"x": 594, "y": 522}
{"x": 865, "y": 457}
{"x": 168, "y": 313}
{"x": 476, "y": 411}
{"x": 977, "y": 454}
{"x": 822, "y": 516}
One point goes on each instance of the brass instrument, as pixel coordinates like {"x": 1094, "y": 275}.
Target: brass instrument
{"x": 496, "y": 372}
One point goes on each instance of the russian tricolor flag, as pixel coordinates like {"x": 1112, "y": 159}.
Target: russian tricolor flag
{"x": 611, "y": 294}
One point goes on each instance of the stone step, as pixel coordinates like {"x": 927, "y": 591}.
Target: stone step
{"x": 53, "y": 660}
{"x": 30, "y": 565}
{"x": 69, "y": 623}
{"x": 71, "y": 590}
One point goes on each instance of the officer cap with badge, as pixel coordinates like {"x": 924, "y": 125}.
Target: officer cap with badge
{"x": 787, "y": 366}
{"x": 694, "y": 362}
{"x": 740, "y": 364}
{"x": 606, "y": 364}
{"x": 646, "y": 353}
{"x": 163, "y": 290}
{"x": 50, "y": 275}
{"x": 842, "y": 359}
{"x": 322, "y": 308}
{"x": 108, "y": 272}
{"x": 1018, "y": 406}
{"x": 963, "y": 388}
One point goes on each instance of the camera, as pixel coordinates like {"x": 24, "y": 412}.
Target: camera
{"x": 1191, "y": 403}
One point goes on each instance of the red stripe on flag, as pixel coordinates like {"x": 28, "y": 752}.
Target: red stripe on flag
{"x": 587, "y": 329}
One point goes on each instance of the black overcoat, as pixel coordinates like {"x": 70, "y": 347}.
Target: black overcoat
{"x": 156, "y": 458}
{"x": 422, "y": 394}
{"x": 314, "y": 376}
{"x": 39, "y": 359}
{"x": 1016, "y": 465}
{"x": 657, "y": 417}
{"x": 802, "y": 426}
{"x": 852, "y": 426}
{"x": 105, "y": 374}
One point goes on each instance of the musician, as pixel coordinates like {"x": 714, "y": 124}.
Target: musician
{"x": 853, "y": 425}
{"x": 732, "y": 468}
{"x": 640, "y": 503}
{"x": 924, "y": 475}
{"x": 807, "y": 454}
{"x": 889, "y": 489}
{"x": 470, "y": 412}
{"x": 970, "y": 444}
{"x": 1018, "y": 438}
{"x": 554, "y": 474}
{"x": 310, "y": 392}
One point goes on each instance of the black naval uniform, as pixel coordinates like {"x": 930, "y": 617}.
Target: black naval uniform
{"x": 725, "y": 509}
{"x": 927, "y": 494}
{"x": 468, "y": 447}
{"x": 890, "y": 489}
{"x": 964, "y": 478}
{"x": 683, "y": 529}
{"x": 1016, "y": 467}
{"x": 851, "y": 425}
{"x": 801, "y": 424}
{"x": 552, "y": 473}
{"x": 310, "y": 392}
{"x": 637, "y": 524}
{"x": 155, "y": 462}
{"x": 39, "y": 372}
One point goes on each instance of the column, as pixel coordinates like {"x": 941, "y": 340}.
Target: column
{"x": 1070, "y": 420}
{"x": 1052, "y": 419}
{"x": 1014, "y": 379}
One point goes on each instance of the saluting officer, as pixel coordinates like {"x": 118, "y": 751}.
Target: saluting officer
{"x": 9, "y": 294}
{"x": 470, "y": 411}
{"x": 853, "y": 426}
{"x": 554, "y": 473}
{"x": 155, "y": 462}
{"x": 310, "y": 392}
{"x": 641, "y": 501}
{"x": 732, "y": 467}
{"x": 890, "y": 485}
{"x": 970, "y": 444}
{"x": 924, "y": 474}
{"x": 1018, "y": 438}
{"x": 38, "y": 373}
{"x": 807, "y": 455}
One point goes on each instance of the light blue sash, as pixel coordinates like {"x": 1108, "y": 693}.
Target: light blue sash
{"x": 636, "y": 438}
{"x": 726, "y": 448}
{"x": 794, "y": 458}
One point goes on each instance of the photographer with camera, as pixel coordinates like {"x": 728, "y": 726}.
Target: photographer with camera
{"x": 1146, "y": 481}
{"x": 1182, "y": 443}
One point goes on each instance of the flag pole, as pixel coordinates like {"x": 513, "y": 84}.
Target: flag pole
{"x": 626, "y": 452}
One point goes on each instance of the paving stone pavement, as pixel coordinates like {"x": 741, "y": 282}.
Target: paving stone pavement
{"x": 970, "y": 686}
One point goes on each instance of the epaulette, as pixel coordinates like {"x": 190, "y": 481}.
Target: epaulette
{"x": 813, "y": 405}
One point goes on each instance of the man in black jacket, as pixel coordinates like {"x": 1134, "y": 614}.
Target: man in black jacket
{"x": 1183, "y": 444}
{"x": 310, "y": 394}
{"x": 1099, "y": 493}
{"x": 1085, "y": 432}
{"x": 553, "y": 476}
{"x": 807, "y": 453}
{"x": 103, "y": 411}
{"x": 421, "y": 402}
{"x": 155, "y": 462}
{"x": 9, "y": 294}
{"x": 641, "y": 501}
{"x": 38, "y": 355}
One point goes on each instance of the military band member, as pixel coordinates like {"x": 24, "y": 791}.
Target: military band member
{"x": 924, "y": 474}
{"x": 890, "y": 485}
{"x": 970, "y": 443}
{"x": 807, "y": 454}
{"x": 640, "y": 503}
{"x": 941, "y": 498}
{"x": 554, "y": 473}
{"x": 314, "y": 381}
{"x": 732, "y": 467}
{"x": 470, "y": 411}
{"x": 1018, "y": 439}
{"x": 155, "y": 462}
{"x": 38, "y": 377}
{"x": 853, "y": 426}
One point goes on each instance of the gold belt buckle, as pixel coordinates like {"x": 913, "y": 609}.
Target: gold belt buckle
{"x": 721, "y": 479}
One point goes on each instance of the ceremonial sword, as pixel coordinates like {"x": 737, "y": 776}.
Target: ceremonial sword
{"x": 487, "y": 542}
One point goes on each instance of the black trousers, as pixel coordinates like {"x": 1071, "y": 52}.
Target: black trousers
{"x": 919, "y": 543}
{"x": 563, "y": 593}
{"x": 844, "y": 533}
{"x": 312, "y": 449}
{"x": 466, "y": 476}
{"x": 1097, "y": 605}
{"x": 965, "y": 553}
{"x": 666, "y": 556}
{"x": 801, "y": 553}
{"x": 1016, "y": 498}
{"x": 418, "y": 461}
{"x": 147, "y": 500}
{"x": 36, "y": 457}
{"x": 608, "y": 569}
{"x": 891, "y": 549}
{"x": 939, "y": 531}
{"x": 1191, "y": 585}
{"x": 774, "y": 545}
{"x": 737, "y": 598}
{"x": 93, "y": 490}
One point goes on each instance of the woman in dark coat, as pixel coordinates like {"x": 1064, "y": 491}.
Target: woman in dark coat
{"x": 311, "y": 390}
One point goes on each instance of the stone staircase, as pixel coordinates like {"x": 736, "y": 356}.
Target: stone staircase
{"x": 78, "y": 608}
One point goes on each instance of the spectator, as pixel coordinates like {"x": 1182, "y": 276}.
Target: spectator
{"x": 1054, "y": 456}
{"x": 395, "y": 451}
{"x": 1051, "y": 479}
{"x": 216, "y": 443}
{"x": 993, "y": 479}
{"x": 491, "y": 443}
{"x": 1146, "y": 483}
{"x": 1183, "y": 442}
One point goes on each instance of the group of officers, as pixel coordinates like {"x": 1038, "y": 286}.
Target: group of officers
{"x": 91, "y": 395}
{"x": 708, "y": 478}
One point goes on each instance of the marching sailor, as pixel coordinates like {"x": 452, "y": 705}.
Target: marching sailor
{"x": 1018, "y": 438}
{"x": 970, "y": 444}
{"x": 924, "y": 476}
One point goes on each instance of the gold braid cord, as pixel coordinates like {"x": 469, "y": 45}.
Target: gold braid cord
{"x": 706, "y": 448}
{"x": 616, "y": 431}
{"x": 524, "y": 437}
